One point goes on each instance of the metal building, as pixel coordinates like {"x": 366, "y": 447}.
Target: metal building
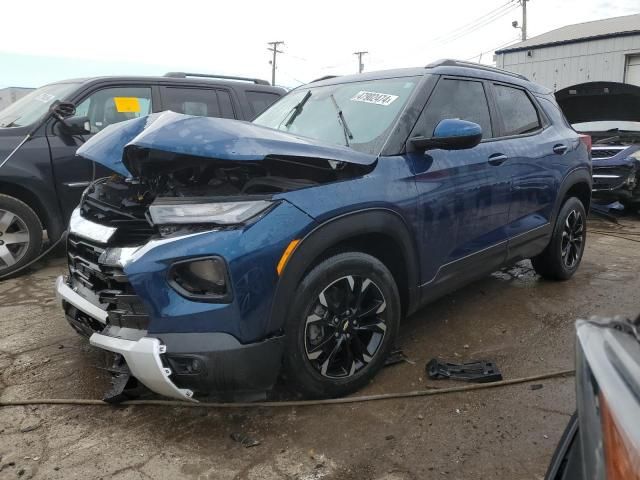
{"x": 9, "y": 95}
{"x": 603, "y": 50}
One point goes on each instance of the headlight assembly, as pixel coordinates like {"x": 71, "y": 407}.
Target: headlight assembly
{"x": 171, "y": 212}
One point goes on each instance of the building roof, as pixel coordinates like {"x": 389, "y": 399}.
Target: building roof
{"x": 608, "y": 27}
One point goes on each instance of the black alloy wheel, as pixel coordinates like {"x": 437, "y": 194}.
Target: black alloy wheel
{"x": 572, "y": 239}
{"x": 562, "y": 256}
{"x": 341, "y": 325}
{"x": 345, "y": 327}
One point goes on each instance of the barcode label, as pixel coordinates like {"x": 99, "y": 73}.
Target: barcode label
{"x": 384, "y": 99}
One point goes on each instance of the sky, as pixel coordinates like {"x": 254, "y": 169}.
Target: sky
{"x": 43, "y": 41}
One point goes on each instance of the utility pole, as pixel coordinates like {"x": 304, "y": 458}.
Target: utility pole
{"x": 360, "y": 64}
{"x": 524, "y": 19}
{"x": 274, "y": 49}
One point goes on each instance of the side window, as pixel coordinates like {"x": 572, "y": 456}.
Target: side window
{"x": 191, "y": 101}
{"x": 518, "y": 113}
{"x": 463, "y": 99}
{"x": 113, "y": 105}
{"x": 260, "y": 101}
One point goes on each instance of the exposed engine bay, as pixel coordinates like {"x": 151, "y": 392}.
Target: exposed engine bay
{"x": 161, "y": 176}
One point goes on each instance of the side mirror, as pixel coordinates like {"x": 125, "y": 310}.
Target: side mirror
{"x": 75, "y": 125}
{"x": 450, "y": 134}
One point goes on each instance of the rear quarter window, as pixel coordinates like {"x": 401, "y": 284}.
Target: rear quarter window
{"x": 518, "y": 113}
{"x": 260, "y": 101}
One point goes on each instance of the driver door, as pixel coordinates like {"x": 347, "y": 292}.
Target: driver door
{"x": 463, "y": 202}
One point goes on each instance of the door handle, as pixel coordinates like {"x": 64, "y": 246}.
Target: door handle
{"x": 560, "y": 149}
{"x": 497, "y": 159}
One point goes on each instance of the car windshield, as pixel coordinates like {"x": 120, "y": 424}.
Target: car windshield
{"x": 34, "y": 105}
{"x": 606, "y": 126}
{"x": 357, "y": 114}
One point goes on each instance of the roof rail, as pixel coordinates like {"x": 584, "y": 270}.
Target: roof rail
{"x": 257, "y": 81}
{"x": 460, "y": 63}
{"x": 326, "y": 77}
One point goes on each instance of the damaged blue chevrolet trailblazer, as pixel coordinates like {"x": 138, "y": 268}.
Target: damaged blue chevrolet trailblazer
{"x": 221, "y": 254}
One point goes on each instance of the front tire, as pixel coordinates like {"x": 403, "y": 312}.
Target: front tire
{"x": 342, "y": 325}
{"x": 562, "y": 257}
{"x": 20, "y": 234}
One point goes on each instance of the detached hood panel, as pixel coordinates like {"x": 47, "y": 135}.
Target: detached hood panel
{"x": 206, "y": 137}
{"x": 600, "y": 101}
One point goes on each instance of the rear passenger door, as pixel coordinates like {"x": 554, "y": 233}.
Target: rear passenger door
{"x": 198, "y": 101}
{"x": 529, "y": 150}
{"x": 463, "y": 199}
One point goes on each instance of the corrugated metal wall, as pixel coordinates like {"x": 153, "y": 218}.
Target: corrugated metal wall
{"x": 565, "y": 65}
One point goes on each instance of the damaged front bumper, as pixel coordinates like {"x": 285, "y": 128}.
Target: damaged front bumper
{"x": 177, "y": 365}
{"x": 142, "y": 356}
{"x": 122, "y": 299}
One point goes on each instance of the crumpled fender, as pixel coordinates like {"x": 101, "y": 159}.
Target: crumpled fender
{"x": 206, "y": 137}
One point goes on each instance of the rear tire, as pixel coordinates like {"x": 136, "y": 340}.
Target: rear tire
{"x": 561, "y": 258}
{"x": 342, "y": 325}
{"x": 20, "y": 234}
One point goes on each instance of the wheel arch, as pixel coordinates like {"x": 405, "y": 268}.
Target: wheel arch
{"x": 575, "y": 184}
{"x": 382, "y": 233}
{"x": 50, "y": 219}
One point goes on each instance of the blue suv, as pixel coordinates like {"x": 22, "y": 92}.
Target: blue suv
{"x": 222, "y": 253}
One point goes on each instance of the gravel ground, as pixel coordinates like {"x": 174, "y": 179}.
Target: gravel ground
{"x": 513, "y": 317}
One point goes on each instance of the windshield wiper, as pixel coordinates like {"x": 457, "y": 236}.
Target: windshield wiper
{"x": 297, "y": 110}
{"x": 343, "y": 123}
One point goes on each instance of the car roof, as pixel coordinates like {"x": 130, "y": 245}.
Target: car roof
{"x": 177, "y": 78}
{"x": 440, "y": 67}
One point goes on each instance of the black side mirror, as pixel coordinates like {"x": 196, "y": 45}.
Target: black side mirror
{"x": 75, "y": 126}
{"x": 62, "y": 110}
{"x": 450, "y": 134}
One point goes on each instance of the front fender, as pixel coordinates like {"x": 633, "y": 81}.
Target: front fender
{"x": 331, "y": 233}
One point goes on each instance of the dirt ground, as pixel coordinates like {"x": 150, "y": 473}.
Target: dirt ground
{"x": 513, "y": 317}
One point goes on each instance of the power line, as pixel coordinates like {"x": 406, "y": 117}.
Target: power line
{"x": 477, "y": 24}
{"x": 473, "y": 23}
{"x": 492, "y": 50}
{"x": 274, "y": 49}
{"x": 487, "y": 21}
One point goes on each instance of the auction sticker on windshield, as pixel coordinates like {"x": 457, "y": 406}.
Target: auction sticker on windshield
{"x": 384, "y": 99}
{"x": 45, "y": 97}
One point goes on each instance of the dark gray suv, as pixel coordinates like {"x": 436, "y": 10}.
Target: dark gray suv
{"x": 42, "y": 182}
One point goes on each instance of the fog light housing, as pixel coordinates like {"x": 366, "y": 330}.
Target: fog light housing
{"x": 202, "y": 279}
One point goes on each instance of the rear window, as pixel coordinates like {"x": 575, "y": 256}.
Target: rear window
{"x": 260, "y": 101}
{"x": 517, "y": 111}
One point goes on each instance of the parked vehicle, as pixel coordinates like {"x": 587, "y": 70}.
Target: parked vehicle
{"x": 602, "y": 440}
{"x": 610, "y": 113}
{"x": 42, "y": 183}
{"x": 224, "y": 250}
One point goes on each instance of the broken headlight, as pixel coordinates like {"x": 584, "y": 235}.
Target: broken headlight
{"x": 165, "y": 212}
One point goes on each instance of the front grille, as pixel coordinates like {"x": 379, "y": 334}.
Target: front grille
{"x": 610, "y": 178}
{"x": 108, "y": 285}
{"x": 599, "y": 152}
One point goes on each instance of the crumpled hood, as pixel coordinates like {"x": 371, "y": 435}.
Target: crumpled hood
{"x": 206, "y": 137}
{"x": 600, "y": 101}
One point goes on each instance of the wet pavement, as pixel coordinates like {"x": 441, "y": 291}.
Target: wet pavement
{"x": 523, "y": 323}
